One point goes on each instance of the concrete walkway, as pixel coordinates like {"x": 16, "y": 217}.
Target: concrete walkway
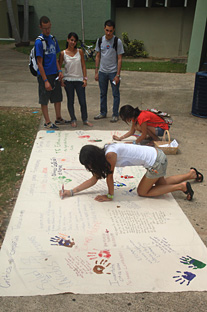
{"x": 169, "y": 92}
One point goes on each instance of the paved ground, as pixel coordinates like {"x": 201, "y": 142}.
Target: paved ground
{"x": 169, "y": 92}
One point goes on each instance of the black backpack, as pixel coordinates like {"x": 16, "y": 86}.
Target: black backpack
{"x": 32, "y": 58}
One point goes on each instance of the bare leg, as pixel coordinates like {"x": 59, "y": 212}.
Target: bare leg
{"x": 155, "y": 187}
{"x": 58, "y": 110}
{"x": 179, "y": 178}
{"x": 45, "y": 113}
{"x": 150, "y": 132}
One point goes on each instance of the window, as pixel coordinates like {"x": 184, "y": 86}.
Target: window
{"x": 121, "y": 3}
{"x": 177, "y": 3}
{"x": 139, "y": 3}
{"x": 158, "y": 3}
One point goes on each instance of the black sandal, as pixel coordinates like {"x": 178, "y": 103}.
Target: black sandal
{"x": 199, "y": 175}
{"x": 189, "y": 191}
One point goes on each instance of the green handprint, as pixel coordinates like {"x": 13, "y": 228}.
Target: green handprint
{"x": 62, "y": 179}
{"x": 192, "y": 263}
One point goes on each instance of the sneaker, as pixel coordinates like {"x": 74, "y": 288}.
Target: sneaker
{"x": 99, "y": 116}
{"x": 62, "y": 122}
{"x": 51, "y": 126}
{"x": 114, "y": 119}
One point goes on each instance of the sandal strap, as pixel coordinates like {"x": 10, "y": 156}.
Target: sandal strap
{"x": 198, "y": 174}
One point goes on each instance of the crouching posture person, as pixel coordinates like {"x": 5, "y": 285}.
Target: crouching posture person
{"x": 101, "y": 162}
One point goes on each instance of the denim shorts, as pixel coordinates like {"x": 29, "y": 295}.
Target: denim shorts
{"x": 159, "y": 131}
{"x": 55, "y": 95}
{"x": 159, "y": 168}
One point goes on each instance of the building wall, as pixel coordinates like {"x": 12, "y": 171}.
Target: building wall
{"x": 166, "y": 32}
{"x": 4, "y": 21}
{"x": 65, "y": 17}
{"x": 198, "y": 45}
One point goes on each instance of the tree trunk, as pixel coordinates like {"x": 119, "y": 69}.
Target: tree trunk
{"x": 25, "y": 37}
{"x": 15, "y": 32}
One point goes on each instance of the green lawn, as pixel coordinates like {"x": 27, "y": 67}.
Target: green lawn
{"x": 154, "y": 66}
{"x": 18, "y": 130}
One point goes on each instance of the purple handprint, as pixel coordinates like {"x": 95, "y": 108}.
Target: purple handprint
{"x": 187, "y": 276}
{"x": 62, "y": 241}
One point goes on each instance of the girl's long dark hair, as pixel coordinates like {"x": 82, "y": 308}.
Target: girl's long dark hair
{"x": 128, "y": 112}
{"x": 94, "y": 160}
{"x": 72, "y": 34}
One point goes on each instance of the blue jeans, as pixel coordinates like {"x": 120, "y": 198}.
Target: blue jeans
{"x": 70, "y": 87}
{"x": 103, "y": 85}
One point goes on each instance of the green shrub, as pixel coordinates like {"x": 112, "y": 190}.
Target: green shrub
{"x": 134, "y": 48}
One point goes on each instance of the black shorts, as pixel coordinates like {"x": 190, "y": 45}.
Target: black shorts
{"x": 55, "y": 95}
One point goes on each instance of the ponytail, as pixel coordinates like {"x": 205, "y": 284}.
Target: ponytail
{"x": 136, "y": 113}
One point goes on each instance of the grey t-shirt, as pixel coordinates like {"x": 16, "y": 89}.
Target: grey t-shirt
{"x": 108, "y": 62}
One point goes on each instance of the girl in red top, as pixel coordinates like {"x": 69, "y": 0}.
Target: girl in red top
{"x": 148, "y": 123}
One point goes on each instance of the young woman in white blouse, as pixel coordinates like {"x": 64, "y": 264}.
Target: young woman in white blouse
{"x": 75, "y": 78}
{"x": 101, "y": 162}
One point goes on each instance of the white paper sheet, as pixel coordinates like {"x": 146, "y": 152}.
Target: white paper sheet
{"x": 79, "y": 245}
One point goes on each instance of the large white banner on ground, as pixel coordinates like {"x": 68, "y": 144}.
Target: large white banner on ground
{"x": 79, "y": 245}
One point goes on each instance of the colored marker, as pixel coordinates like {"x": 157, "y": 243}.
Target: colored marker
{"x": 62, "y": 191}
{"x": 95, "y": 140}
{"x": 122, "y": 184}
{"x": 119, "y": 184}
{"x": 132, "y": 189}
{"x": 127, "y": 177}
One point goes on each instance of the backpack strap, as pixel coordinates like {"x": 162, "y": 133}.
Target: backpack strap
{"x": 53, "y": 38}
{"x": 115, "y": 45}
{"x": 43, "y": 42}
{"x": 99, "y": 43}
{"x": 44, "y": 45}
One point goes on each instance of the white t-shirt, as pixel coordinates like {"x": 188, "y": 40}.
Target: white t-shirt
{"x": 73, "y": 67}
{"x": 108, "y": 62}
{"x": 132, "y": 155}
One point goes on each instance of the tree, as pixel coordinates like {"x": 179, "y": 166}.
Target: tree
{"x": 25, "y": 37}
{"x": 15, "y": 31}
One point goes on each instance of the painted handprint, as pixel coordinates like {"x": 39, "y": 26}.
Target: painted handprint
{"x": 186, "y": 277}
{"x": 192, "y": 263}
{"x": 102, "y": 253}
{"x": 62, "y": 179}
{"x": 99, "y": 268}
{"x": 62, "y": 240}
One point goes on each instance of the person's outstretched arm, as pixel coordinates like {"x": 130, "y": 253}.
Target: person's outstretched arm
{"x": 83, "y": 186}
{"x": 111, "y": 158}
{"x": 126, "y": 135}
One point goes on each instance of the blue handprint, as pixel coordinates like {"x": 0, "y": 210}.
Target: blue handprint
{"x": 192, "y": 263}
{"x": 187, "y": 276}
{"x": 62, "y": 241}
